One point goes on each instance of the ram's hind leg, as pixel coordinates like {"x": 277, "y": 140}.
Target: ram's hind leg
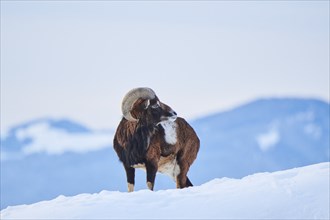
{"x": 130, "y": 175}
{"x": 182, "y": 180}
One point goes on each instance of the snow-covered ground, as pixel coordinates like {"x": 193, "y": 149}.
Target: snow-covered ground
{"x": 300, "y": 193}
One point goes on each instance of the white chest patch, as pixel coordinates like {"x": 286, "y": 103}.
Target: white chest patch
{"x": 170, "y": 131}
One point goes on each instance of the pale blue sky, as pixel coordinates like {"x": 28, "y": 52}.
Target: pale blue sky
{"x": 77, "y": 59}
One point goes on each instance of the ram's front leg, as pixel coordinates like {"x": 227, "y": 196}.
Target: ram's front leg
{"x": 130, "y": 175}
{"x": 151, "y": 168}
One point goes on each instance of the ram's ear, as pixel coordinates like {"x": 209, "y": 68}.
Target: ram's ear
{"x": 146, "y": 103}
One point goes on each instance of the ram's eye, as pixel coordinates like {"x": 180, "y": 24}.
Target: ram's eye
{"x": 157, "y": 105}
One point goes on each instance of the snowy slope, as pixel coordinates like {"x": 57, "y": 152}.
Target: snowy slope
{"x": 301, "y": 193}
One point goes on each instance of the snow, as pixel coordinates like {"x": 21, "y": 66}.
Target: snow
{"x": 268, "y": 140}
{"x": 300, "y": 193}
{"x": 55, "y": 141}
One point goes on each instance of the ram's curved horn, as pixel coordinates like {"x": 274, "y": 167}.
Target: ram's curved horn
{"x": 131, "y": 97}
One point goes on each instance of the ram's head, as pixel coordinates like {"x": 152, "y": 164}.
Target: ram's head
{"x": 142, "y": 104}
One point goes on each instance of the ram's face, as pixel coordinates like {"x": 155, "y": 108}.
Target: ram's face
{"x": 169, "y": 113}
{"x": 152, "y": 111}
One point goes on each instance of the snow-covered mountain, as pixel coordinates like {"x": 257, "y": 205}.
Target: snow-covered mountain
{"x": 264, "y": 135}
{"x": 45, "y": 158}
{"x": 52, "y": 136}
{"x": 301, "y": 193}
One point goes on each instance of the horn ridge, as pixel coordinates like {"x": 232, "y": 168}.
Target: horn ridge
{"x": 130, "y": 98}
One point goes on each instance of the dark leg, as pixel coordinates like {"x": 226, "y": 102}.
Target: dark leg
{"x": 151, "y": 174}
{"x": 188, "y": 183}
{"x": 130, "y": 175}
{"x": 181, "y": 179}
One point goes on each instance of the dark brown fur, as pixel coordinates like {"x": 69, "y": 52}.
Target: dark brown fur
{"x": 143, "y": 142}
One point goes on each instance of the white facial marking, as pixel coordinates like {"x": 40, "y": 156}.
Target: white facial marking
{"x": 170, "y": 131}
{"x": 172, "y": 118}
{"x": 157, "y": 105}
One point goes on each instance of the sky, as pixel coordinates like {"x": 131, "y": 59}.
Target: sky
{"x": 77, "y": 59}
